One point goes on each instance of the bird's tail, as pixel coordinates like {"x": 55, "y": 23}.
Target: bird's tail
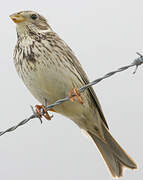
{"x": 115, "y": 157}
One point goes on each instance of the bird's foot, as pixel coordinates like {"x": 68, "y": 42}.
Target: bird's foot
{"x": 41, "y": 111}
{"x": 75, "y": 95}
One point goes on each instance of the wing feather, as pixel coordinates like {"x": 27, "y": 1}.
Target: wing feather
{"x": 66, "y": 50}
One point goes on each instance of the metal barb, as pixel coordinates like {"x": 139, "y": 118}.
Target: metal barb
{"x": 139, "y": 54}
{"x": 136, "y": 68}
{"x": 138, "y": 61}
{"x": 35, "y": 114}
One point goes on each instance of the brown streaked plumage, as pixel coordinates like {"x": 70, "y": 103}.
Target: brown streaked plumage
{"x": 49, "y": 69}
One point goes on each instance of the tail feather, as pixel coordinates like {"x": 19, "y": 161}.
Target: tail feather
{"x": 115, "y": 157}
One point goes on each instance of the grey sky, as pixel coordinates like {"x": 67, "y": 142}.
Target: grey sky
{"x": 104, "y": 35}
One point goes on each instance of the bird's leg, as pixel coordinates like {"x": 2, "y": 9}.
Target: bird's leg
{"x": 76, "y": 96}
{"x": 40, "y": 108}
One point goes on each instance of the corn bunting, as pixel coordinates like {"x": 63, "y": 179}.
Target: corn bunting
{"x": 51, "y": 71}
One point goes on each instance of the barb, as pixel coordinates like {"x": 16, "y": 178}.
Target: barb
{"x": 138, "y": 61}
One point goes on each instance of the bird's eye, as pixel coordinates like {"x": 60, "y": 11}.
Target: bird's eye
{"x": 34, "y": 16}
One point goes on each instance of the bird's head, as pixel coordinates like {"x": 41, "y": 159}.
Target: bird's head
{"x": 31, "y": 20}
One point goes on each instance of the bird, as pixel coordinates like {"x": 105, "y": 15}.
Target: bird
{"x": 51, "y": 71}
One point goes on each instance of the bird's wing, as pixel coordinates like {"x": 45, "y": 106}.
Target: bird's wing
{"x": 84, "y": 77}
{"x": 63, "y": 48}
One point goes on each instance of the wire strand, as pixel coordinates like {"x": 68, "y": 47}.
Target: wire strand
{"x": 138, "y": 61}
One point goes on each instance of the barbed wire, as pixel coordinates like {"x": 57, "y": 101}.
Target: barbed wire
{"x": 138, "y": 61}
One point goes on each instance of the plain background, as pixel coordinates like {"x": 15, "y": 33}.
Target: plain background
{"x": 104, "y": 35}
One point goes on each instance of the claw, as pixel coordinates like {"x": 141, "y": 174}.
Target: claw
{"x": 41, "y": 111}
{"x": 76, "y": 96}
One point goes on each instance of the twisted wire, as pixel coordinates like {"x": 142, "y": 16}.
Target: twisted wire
{"x": 138, "y": 61}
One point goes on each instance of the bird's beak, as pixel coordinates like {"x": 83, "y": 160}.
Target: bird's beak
{"x": 17, "y": 18}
